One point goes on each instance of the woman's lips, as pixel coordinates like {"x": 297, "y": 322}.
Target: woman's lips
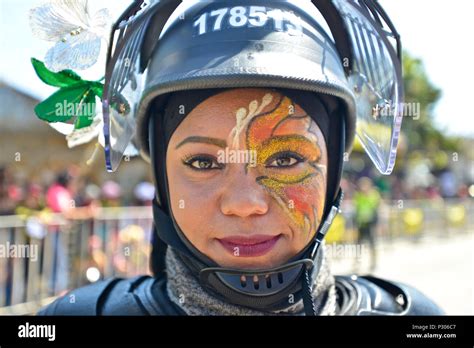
{"x": 251, "y": 246}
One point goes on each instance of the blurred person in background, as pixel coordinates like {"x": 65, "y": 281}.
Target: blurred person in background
{"x": 143, "y": 193}
{"x": 9, "y": 193}
{"x": 65, "y": 198}
{"x": 366, "y": 203}
{"x": 59, "y": 199}
{"x": 58, "y": 196}
{"x": 448, "y": 183}
{"x": 111, "y": 194}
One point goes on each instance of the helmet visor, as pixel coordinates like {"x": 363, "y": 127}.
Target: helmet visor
{"x": 124, "y": 79}
{"x": 375, "y": 79}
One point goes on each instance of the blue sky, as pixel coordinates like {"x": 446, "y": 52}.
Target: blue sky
{"x": 435, "y": 31}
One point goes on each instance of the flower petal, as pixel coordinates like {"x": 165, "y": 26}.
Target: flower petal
{"x": 63, "y": 128}
{"x": 85, "y": 135}
{"x": 78, "y": 52}
{"x": 55, "y": 19}
{"x": 101, "y": 22}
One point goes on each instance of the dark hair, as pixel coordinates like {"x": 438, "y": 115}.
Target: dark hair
{"x": 63, "y": 178}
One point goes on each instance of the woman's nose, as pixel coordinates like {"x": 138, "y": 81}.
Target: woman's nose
{"x": 243, "y": 196}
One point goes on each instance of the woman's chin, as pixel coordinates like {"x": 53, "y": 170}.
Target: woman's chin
{"x": 269, "y": 260}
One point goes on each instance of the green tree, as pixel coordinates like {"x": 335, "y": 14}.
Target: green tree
{"x": 422, "y": 133}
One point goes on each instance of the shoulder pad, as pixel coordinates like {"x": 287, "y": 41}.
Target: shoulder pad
{"x": 374, "y": 296}
{"x": 114, "y": 296}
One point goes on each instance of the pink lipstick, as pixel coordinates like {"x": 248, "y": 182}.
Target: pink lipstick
{"x": 249, "y": 246}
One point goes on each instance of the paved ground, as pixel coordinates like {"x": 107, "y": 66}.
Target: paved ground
{"x": 442, "y": 268}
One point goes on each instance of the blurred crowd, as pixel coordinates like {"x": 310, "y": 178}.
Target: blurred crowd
{"x": 415, "y": 195}
{"x": 64, "y": 190}
{"x": 418, "y": 182}
{"x": 71, "y": 203}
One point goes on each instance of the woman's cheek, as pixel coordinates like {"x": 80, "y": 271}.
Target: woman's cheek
{"x": 193, "y": 203}
{"x": 302, "y": 203}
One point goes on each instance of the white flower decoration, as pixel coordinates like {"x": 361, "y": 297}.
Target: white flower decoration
{"x": 84, "y": 135}
{"x": 77, "y": 34}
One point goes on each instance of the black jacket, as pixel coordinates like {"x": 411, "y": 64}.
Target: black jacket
{"x": 145, "y": 295}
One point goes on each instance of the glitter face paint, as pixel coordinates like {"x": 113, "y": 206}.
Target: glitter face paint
{"x": 297, "y": 188}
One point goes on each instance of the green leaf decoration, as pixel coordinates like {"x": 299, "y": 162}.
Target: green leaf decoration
{"x": 86, "y": 116}
{"x": 63, "y": 78}
{"x": 68, "y": 102}
{"x": 74, "y": 102}
{"x": 98, "y": 88}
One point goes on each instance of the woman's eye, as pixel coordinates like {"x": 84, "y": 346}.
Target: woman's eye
{"x": 202, "y": 163}
{"x": 287, "y": 160}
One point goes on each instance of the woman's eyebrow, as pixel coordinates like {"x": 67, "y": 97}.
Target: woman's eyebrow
{"x": 207, "y": 140}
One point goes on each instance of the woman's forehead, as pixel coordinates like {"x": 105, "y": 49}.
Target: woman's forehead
{"x": 220, "y": 113}
{"x": 227, "y": 103}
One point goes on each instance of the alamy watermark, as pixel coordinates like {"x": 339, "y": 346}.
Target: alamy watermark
{"x": 28, "y": 330}
{"x": 237, "y": 156}
{"x": 389, "y": 109}
{"x": 67, "y": 109}
{"x": 21, "y": 251}
{"x": 345, "y": 251}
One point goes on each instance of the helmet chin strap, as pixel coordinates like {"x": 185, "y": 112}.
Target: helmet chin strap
{"x": 263, "y": 289}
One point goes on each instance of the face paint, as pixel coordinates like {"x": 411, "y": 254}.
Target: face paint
{"x": 298, "y": 187}
{"x": 243, "y": 117}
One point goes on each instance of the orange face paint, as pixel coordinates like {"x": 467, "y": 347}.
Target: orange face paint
{"x": 299, "y": 189}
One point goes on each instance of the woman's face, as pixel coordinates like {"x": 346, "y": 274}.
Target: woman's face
{"x": 247, "y": 178}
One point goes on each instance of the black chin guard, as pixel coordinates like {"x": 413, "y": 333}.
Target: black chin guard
{"x": 262, "y": 282}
